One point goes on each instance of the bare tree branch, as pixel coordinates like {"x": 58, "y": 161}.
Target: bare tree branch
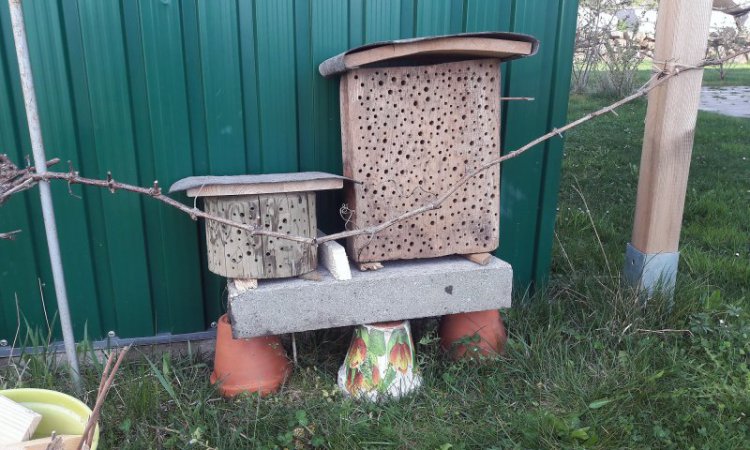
{"x": 10, "y": 235}
{"x": 155, "y": 192}
{"x": 14, "y": 180}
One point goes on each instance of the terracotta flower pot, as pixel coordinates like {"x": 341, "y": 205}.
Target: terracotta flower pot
{"x": 380, "y": 361}
{"x": 471, "y": 334}
{"x": 248, "y": 365}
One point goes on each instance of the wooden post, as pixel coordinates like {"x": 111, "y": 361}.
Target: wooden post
{"x": 681, "y": 38}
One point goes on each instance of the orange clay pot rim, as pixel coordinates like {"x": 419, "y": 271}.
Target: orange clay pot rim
{"x": 487, "y": 312}
{"x": 233, "y": 390}
{"x": 249, "y": 386}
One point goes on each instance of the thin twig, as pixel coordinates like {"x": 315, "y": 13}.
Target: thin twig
{"x": 565, "y": 254}
{"x": 155, "y": 193}
{"x": 91, "y": 424}
{"x": 577, "y": 188}
{"x": 26, "y": 178}
{"x": 105, "y": 374}
{"x": 665, "y": 331}
{"x": 294, "y": 349}
{"x": 27, "y": 183}
{"x": 15, "y": 340}
{"x": 10, "y": 235}
{"x": 656, "y": 81}
{"x": 44, "y": 309}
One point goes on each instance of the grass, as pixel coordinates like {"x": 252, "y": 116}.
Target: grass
{"x": 586, "y": 366}
{"x": 737, "y": 75}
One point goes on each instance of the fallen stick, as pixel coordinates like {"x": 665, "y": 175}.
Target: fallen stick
{"x": 88, "y": 431}
{"x": 105, "y": 374}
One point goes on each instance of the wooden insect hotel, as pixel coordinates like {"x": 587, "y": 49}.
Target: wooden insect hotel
{"x": 283, "y": 203}
{"x": 416, "y": 116}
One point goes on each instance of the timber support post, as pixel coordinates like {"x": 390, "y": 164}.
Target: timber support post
{"x": 652, "y": 255}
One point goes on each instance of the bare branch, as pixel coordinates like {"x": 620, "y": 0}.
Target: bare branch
{"x": 155, "y": 192}
{"x": 10, "y": 235}
{"x": 14, "y": 180}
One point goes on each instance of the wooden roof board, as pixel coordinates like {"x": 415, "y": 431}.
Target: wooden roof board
{"x": 504, "y": 46}
{"x": 214, "y": 186}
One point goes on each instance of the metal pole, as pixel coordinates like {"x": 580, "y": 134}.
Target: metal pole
{"x": 40, "y": 163}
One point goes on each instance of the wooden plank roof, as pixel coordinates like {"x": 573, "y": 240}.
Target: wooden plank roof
{"x": 433, "y": 49}
{"x": 213, "y": 186}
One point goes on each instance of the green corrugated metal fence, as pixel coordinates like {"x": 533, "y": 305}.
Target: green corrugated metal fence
{"x": 163, "y": 89}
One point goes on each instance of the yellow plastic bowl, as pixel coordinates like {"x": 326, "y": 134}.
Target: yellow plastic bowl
{"x": 60, "y": 412}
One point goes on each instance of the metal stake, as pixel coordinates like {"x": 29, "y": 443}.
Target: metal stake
{"x": 40, "y": 163}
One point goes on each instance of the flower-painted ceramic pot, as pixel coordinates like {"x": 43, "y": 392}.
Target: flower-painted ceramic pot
{"x": 380, "y": 362}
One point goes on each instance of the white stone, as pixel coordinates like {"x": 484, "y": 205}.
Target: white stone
{"x": 332, "y": 256}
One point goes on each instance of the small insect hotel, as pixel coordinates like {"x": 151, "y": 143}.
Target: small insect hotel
{"x": 281, "y": 203}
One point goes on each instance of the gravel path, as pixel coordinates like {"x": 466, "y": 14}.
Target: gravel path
{"x": 730, "y": 101}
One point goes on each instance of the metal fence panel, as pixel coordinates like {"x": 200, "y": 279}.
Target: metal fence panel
{"x": 163, "y": 89}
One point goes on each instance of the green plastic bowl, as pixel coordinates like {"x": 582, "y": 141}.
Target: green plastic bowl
{"x": 60, "y": 412}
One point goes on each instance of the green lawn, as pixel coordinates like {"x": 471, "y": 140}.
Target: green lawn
{"x": 738, "y": 75}
{"x": 586, "y": 366}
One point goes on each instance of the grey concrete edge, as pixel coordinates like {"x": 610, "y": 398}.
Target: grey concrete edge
{"x": 329, "y": 303}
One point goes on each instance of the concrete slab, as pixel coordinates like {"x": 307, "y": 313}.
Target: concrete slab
{"x": 401, "y": 290}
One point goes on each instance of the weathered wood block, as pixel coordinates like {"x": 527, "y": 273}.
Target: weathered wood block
{"x": 17, "y": 422}
{"x": 234, "y": 253}
{"x": 60, "y": 442}
{"x": 283, "y": 203}
{"x": 415, "y": 120}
